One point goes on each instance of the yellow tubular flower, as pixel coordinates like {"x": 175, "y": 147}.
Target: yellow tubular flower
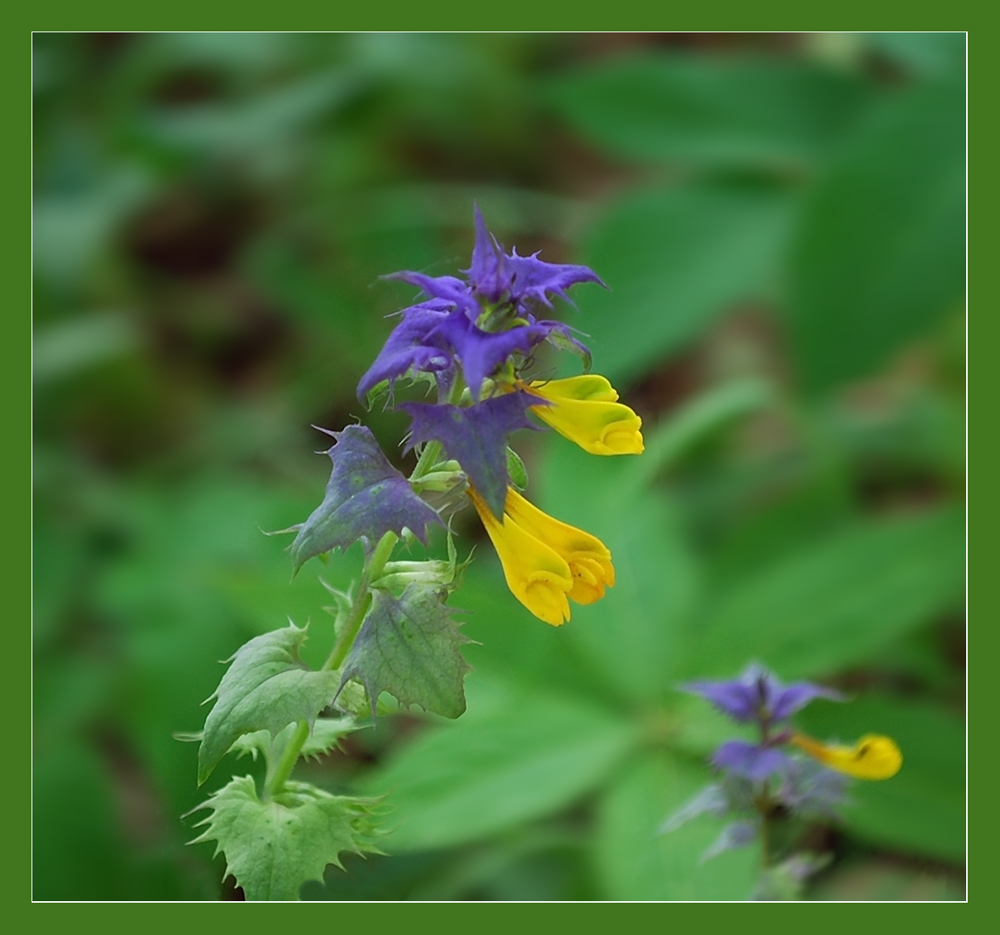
{"x": 588, "y": 558}
{"x": 584, "y": 410}
{"x": 546, "y": 561}
{"x": 873, "y": 757}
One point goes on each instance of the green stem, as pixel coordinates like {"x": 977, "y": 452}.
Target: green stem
{"x": 348, "y": 633}
{"x": 765, "y": 838}
{"x": 762, "y": 802}
{"x": 342, "y": 646}
{"x": 345, "y": 640}
{"x": 276, "y": 782}
{"x": 428, "y": 458}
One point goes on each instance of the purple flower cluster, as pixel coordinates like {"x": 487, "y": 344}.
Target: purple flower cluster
{"x": 467, "y": 330}
{"x": 477, "y": 323}
{"x": 758, "y": 778}
{"x": 758, "y": 697}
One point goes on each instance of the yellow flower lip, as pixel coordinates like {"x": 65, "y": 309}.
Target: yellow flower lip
{"x": 585, "y": 410}
{"x": 872, "y": 757}
{"x": 546, "y": 561}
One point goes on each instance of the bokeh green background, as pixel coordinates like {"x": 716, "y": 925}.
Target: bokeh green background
{"x": 780, "y": 219}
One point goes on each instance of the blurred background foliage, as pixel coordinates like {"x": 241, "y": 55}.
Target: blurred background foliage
{"x": 780, "y": 219}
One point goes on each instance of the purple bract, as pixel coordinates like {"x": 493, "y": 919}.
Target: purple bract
{"x": 366, "y": 497}
{"x": 757, "y": 695}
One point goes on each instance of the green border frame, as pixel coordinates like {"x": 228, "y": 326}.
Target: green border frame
{"x": 848, "y": 15}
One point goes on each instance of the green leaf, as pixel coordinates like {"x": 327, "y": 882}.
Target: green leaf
{"x": 323, "y": 737}
{"x": 836, "y": 602}
{"x": 273, "y": 847}
{"x": 410, "y": 647}
{"x": 881, "y": 250}
{"x": 522, "y": 758}
{"x": 266, "y": 688}
{"x": 516, "y": 470}
{"x": 710, "y": 112}
{"x": 922, "y": 808}
{"x": 635, "y": 862}
{"x": 675, "y": 259}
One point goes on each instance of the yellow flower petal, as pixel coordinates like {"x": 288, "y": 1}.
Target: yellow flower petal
{"x": 544, "y": 560}
{"x": 584, "y": 410}
{"x": 536, "y": 575}
{"x": 587, "y": 386}
{"x": 872, "y": 757}
{"x": 588, "y": 558}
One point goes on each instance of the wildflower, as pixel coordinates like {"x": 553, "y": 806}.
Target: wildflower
{"x": 757, "y": 696}
{"x": 544, "y": 560}
{"x": 872, "y": 757}
{"x": 585, "y": 410}
{"x": 764, "y": 782}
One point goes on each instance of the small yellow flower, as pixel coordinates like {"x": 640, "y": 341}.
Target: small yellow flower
{"x": 872, "y": 757}
{"x": 585, "y": 410}
{"x": 546, "y": 561}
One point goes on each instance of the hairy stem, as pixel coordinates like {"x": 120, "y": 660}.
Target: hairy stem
{"x": 428, "y": 458}
{"x": 345, "y": 639}
{"x": 342, "y": 646}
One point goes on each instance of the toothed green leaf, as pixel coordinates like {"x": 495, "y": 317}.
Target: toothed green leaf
{"x": 266, "y": 688}
{"x": 409, "y": 647}
{"x": 324, "y": 736}
{"x": 273, "y": 847}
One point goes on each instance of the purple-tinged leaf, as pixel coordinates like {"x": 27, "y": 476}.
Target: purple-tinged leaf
{"x": 811, "y": 789}
{"x": 786, "y": 701}
{"x": 562, "y": 339}
{"x": 494, "y": 274}
{"x": 735, "y": 834}
{"x": 758, "y": 694}
{"x": 734, "y": 698}
{"x": 408, "y": 348}
{"x": 475, "y": 437}
{"x": 449, "y": 289}
{"x": 482, "y": 352}
{"x": 366, "y": 497}
{"x": 711, "y": 800}
{"x": 750, "y": 760}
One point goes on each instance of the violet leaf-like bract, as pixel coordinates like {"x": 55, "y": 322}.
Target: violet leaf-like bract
{"x": 408, "y": 347}
{"x": 751, "y": 760}
{"x": 758, "y": 693}
{"x": 476, "y": 437}
{"x": 366, "y": 497}
{"x": 495, "y": 275}
{"x": 482, "y": 352}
